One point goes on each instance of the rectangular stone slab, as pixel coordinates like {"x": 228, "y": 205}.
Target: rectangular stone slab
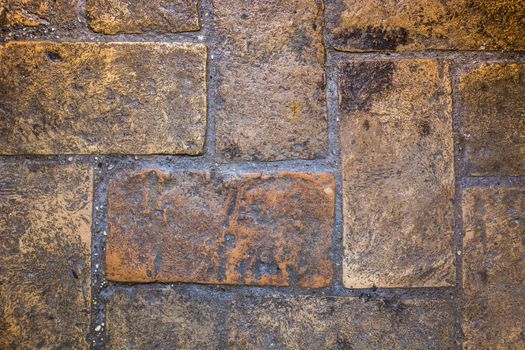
{"x": 399, "y": 25}
{"x": 140, "y": 16}
{"x": 84, "y": 98}
{"x": 492, "y": 127}
{"x": 164, "y": 319}
{"x": 201, "y": 227}
{"x": 45, "y": 255}
{"x": 270, "y": 59}
{"x": 398, "y": 174}
{"x": 313, "y": 322}
{"x": 34, "y": 13}
{"x": 203, "y": 319}
{"x": 493, "y": 268}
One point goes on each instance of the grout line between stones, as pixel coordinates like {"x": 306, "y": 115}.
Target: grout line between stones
{"x": 97, "y": 337}
{"x": 458, "y": 221}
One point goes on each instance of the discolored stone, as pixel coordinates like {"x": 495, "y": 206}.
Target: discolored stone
{"x": 34, "y": 13}
{"x": 140, "y": 16}
{"x": 398, "y": 174}
{"x": 82, "y": 98}
{"x": 203, "y": 227}
{"x": 163, "y": 319}
{"x": 271, "y": 94}
{"x": 45, "y": 244}
{"x": 378, "y": 25}
{"x": 493, "y": 120}
{"x": 182, "y": 319}
{"x": 305, "y": 322}
{"x": 493, "y": 261}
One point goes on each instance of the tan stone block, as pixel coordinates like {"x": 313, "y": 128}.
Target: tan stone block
{"x": 492, "y": 99}
{"x": 34, "y": 13}
{"x": 45, "y": 259}
{"x": 140, "y": 16}
{"x": 271, "y": 95}
{"x": 377, "y": 25}
{"x": 201, "y": 227}
{"x": 83, "y": 98}
{"x": 493, "y": 261}
{"x": 398, "y": 174}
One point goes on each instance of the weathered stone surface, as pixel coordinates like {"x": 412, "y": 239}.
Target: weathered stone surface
{"x": 398, "y": 181}
{"x": 339, "y": 323}
{"x": 163, "y": 319}
{"x": 138, "y": 98}
{"x": 231, "y": 229}
{"x": 45, "y": 244}
{"x": 271, "y": 99}
{"x": 139, "y": 16}
{"x": 33, "y": 13}
{"x": 356, "y": 25}
{"x": 140, "y": 318}
{"x": 494, "y": 277}
{"x": 493, "y": 120}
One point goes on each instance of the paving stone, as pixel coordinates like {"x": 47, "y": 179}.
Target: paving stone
{"x": 163, "y": 319}
{"x": 492, "y": 109}
{"x": 397, "y": 25}
{"x": 174, "y": 318}
{"x": 203, "y": 227}
{"x": 271, "y": 95}
{"x": 83, "y": 98}
{"x": 398, "y": 174}
{"x": 34, "y": 13}
{"x": 45, "y": 245}
{"x": 494, "y": 278}
{"x": 305, "y": 322}
{"x": 140, "y": 16}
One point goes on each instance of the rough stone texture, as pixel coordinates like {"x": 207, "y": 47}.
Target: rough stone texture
{"x": 137, "y": 98}
{"x": 271, "y": 99}
{"x": 493, "y": 120}
{"x": 231, "y": 229}
{"x": 139, "y": 16}
{"x": 339, "y": 323}
{"x": 384, "y": 25}
{"x": 140, "y": 318}
{"x": 398, "y": 174}
{"x": 45, "y": 244}
{"x": 163, "y": 319}
{"x": 494, "y": 277}
{"x": 34, "y": 13}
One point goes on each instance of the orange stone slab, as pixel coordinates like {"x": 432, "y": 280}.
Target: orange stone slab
{"x": 203, "y": 227}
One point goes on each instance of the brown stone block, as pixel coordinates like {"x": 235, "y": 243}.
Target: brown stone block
{"x": 164, "y": 319}
{"x": 140, "y": 16}
{"x": 202, "y": 227}
{"x": 45, "y": 245}
{"x": 397, "y": 25}
{"x": 305, "y": 322}
{"x": 172, "y": 318}
{"x": 398, "y": 174}
{"x": 492, "y": 102}
{"x": 271, "y": 95}
{"x": 493, "y": 268}
{"x": 83, "y": 98}
{"x": 34, "y": 13}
